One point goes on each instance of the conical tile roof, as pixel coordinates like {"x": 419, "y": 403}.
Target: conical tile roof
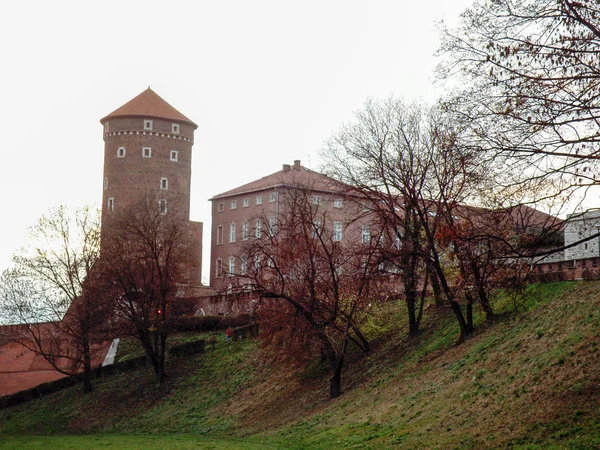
{"x": 148, "y": 104}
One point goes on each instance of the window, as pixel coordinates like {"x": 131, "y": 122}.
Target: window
{"x": 106, "y": 183}
{"x": 272, "y": 226}
{"x": 219, "y": 268}
{"x": 259, "y": 199}
{"x": 246, "y": 202}
{"x": 337, "y": 231}
{"x": 272, "y": 197}
{"x": 316, "y": 232}
{"x": 258, "y": 228}
{"x": 233, "y": 204}
{"x": 164, "y": 183}
{"x": 257, "y": 262}
{"x": 232, "y": 232}
{"x": 585, "y": 246}
{"x": 245, "y": 231}
{"x": 162, "y": 206}
{"x": 231, "y": 266}
{"x": 316, "y": 200}
{"x": 174, "y": 155}
{"x": 147, "y": 152}
{"x": 243, "y": 265}
{"x": 175, "y": 128}
{"x": 219, "y": 234}
{"x": 221, "y": 207}
{"x": 338, "y": 203}
{"x": 106, "y": 127}
{"x": 111, "y": 204}
{"x": 121, "y": 152}
{"x": 147, "y": 124}
{"x": 366, "y": 235}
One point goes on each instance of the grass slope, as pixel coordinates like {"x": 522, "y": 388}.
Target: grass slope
{"x": 528, "y": 380}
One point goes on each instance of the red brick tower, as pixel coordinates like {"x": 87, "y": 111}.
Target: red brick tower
{"x": 148, "y": 149}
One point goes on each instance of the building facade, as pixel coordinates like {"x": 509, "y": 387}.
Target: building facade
{"x": 250, "y": 210}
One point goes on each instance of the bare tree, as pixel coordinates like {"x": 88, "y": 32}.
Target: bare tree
{"x": 406, "y": 159}
{"x": 146, "y": 259}
{"x": 311, "y": 278}
{"x": 50, "y": 289}
{"x": 529, "y": 73}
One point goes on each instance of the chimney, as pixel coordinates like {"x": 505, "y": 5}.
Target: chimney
{"x": 297, "y": 164}
{"x": 286, "y": 168}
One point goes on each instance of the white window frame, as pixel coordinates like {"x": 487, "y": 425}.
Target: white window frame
{"x": 259, "y": 199}
{"x": 111, "y": 204}
{"x": 338, "y": 232}
{"x": 174, "y": 156}
{"x": 218, "y": 268}
{"x": 162, "y": 206}
{"x": 338, "y": 203}
{"x": 317, "y": 200}
{"x": 272, "y": 197}
{"x": 258, "y": 228}
{"x": 220, "y": 207}
{"x": 164, "y": 183}
{"x": 233, "y": 204}
{"x": 232, "y": 232}
{"x": 316, "y": 228}
{"x": 220, "y": 235}
{"x": 245, "y": 228}
{"x": 245, "y": 202}
{"x": 105, "y": 183}
{"x": 121, "y": 151}
{"x": 366, "y": 234}
{"x": 174, "y": 128}
{"x": 147, "y": 124}
{"x": 243, "y": 265}
{"x": 272, "y": 226}
{"x": 106, "y": 127}
{"x": 231, "y": 266}
{"x": 146, "y": 152}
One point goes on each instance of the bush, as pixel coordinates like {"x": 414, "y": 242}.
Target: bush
{"x": 207, "y": 323}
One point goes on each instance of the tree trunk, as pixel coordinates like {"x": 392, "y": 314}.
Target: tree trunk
{"x": 437, "y": 290}
{"x": 335, "y": 383}
{"x": 413, "y": 324}
{"x": 87, "y": 366}
{"x": 464, "y": 329}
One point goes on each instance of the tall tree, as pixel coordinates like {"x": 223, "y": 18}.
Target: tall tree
{"x": 405, "y": 158}
{"x": 528, "y": 74}
{"x": 147, "y": 255}
{"x": 312, "y": 280}
{"x": 50, "y": 287}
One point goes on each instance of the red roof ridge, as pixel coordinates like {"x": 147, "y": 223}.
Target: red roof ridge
{"x": 148, "y": 104}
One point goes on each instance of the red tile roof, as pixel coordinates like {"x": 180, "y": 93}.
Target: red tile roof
{"x": 148, "y": 104}
{"x": 290, "y": 176}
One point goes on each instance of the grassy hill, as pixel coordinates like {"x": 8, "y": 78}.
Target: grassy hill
{"x": 529, "y": 380}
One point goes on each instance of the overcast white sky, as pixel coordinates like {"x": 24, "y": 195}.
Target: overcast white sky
{"x": 266, "y": 81}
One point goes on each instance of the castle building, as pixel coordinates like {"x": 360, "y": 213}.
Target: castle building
{"x": 253, "y": 208}
{"x": 148, "y": 151}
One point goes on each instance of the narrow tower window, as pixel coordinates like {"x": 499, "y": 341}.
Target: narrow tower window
{"x": 219, "y": 268}
{"x": 147, "y": 152}
{"x": 111, "y": 204}
{"x": 174, "y": 155}
{"x": 106, "y": 127}
{"x": 164, "y": 183}
{"x": 121, "y": 152}
{"x": 231, "y": 266}
{"x": 106, "y": 183}
{"x": 232, "y": 232}
{"x": 162, "y": 206}
{"x": 175, "y": 128}
{"x": 147, "y": 125}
